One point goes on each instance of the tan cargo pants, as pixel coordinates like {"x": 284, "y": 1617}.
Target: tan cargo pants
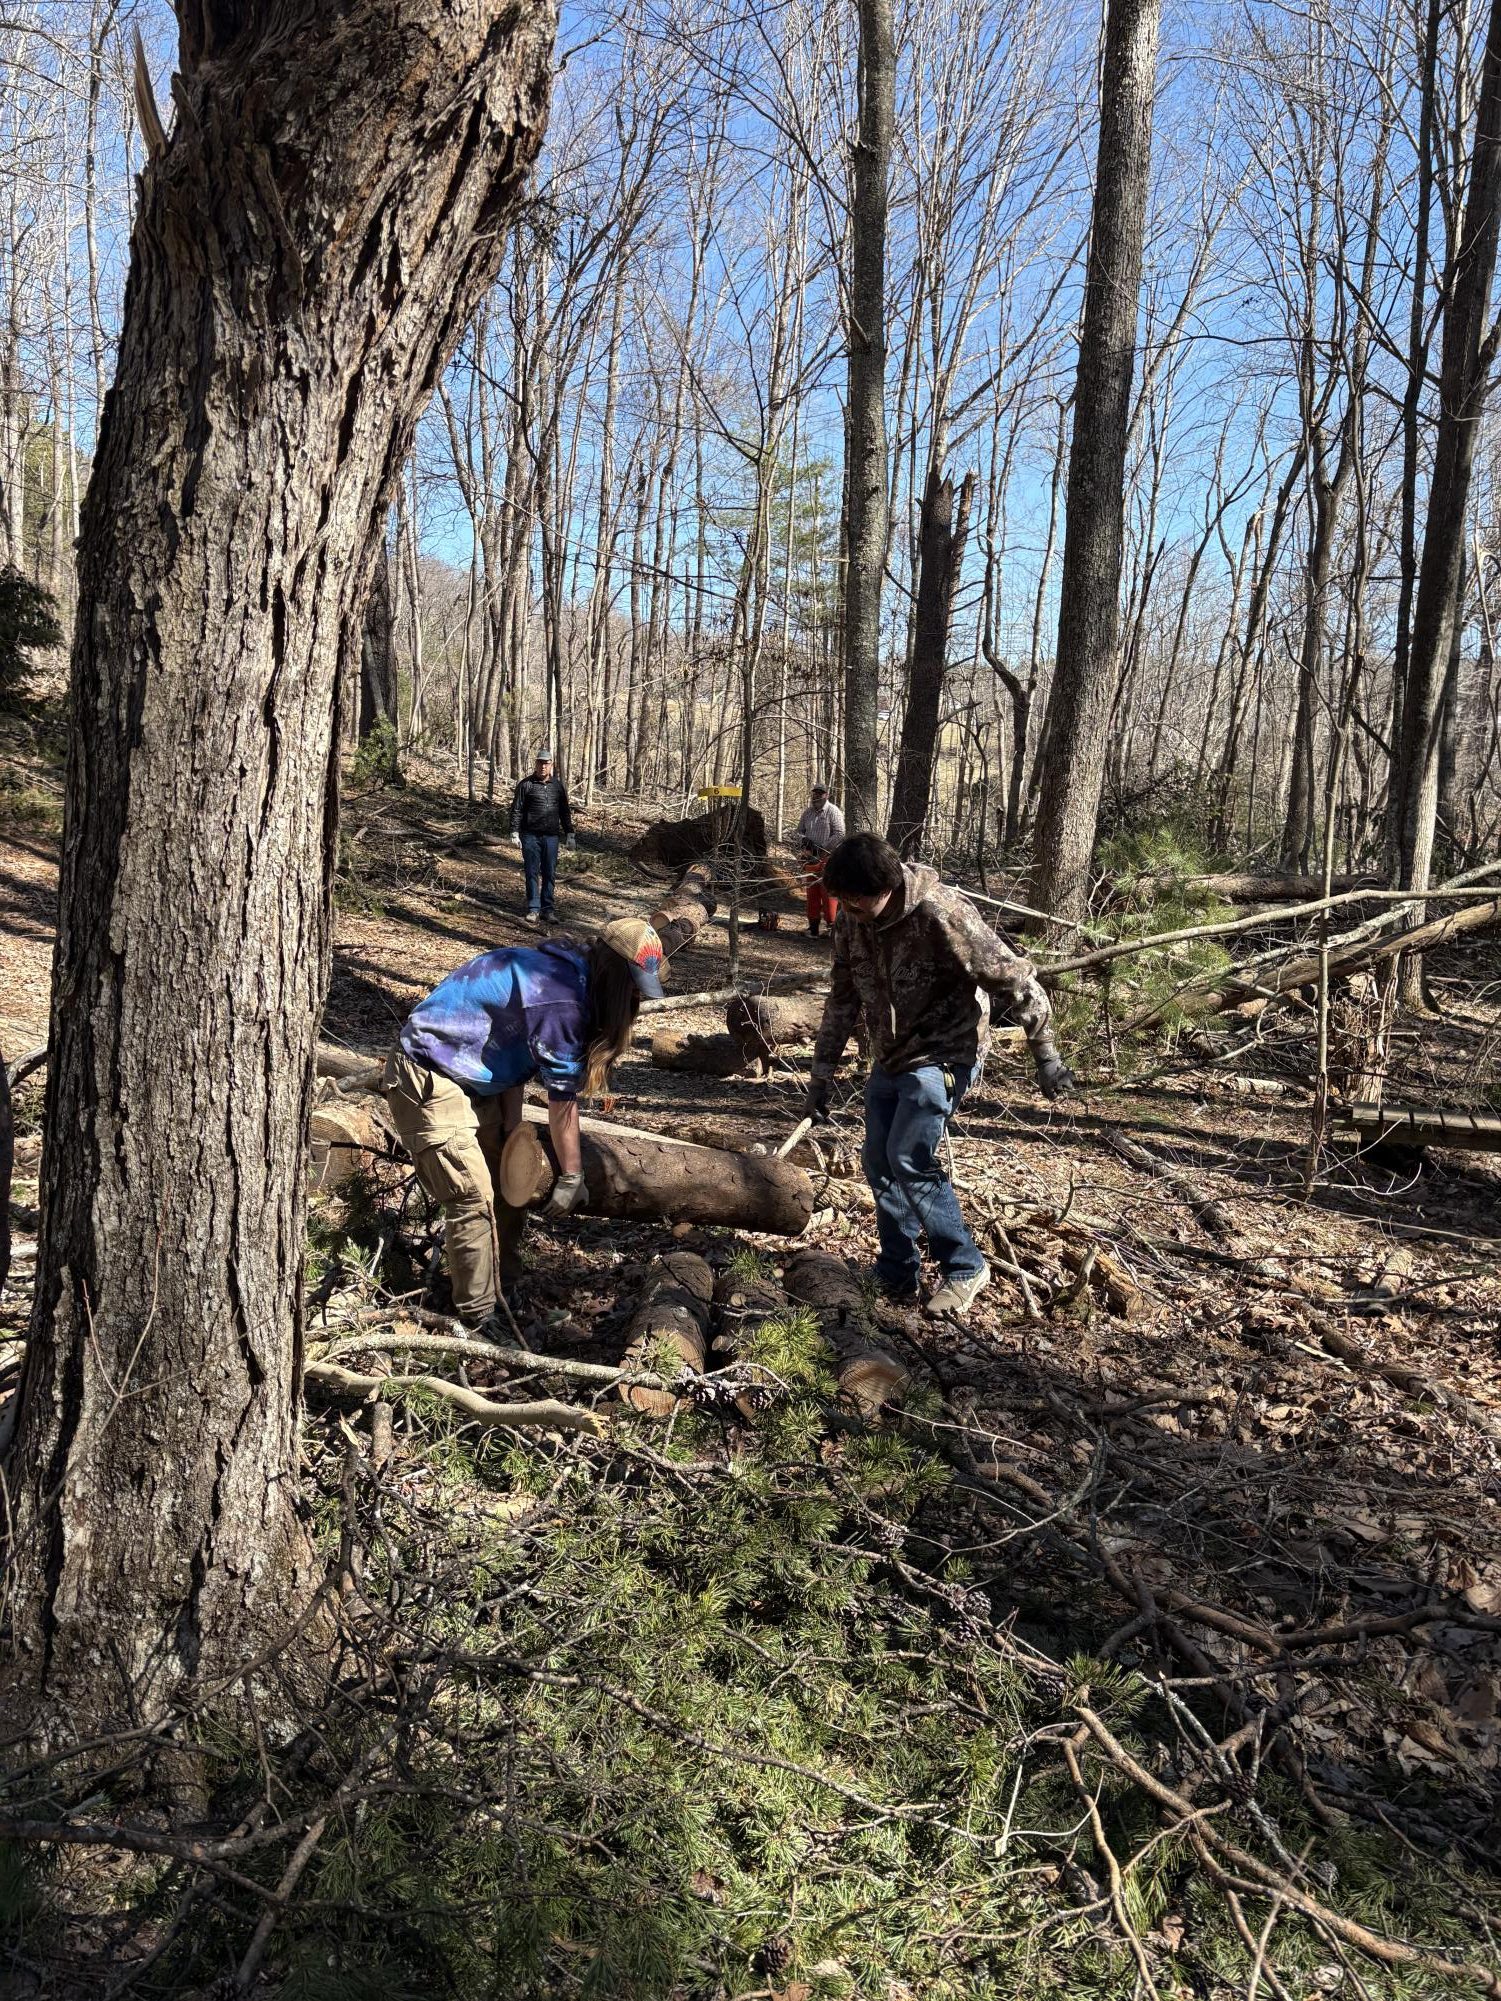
{"x": 455, "y": 1141}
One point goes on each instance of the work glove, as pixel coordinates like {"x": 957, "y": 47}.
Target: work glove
{"x": 567, "y": 1193}
{"x": 816, "y": 1103}
{"x": 1054, "y": 1078}
{"x": 571, "y": 842}
{"x": 517, "y": 839}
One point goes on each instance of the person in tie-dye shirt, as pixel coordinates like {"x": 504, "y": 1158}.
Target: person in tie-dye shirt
{"x": 559, "y": 1012}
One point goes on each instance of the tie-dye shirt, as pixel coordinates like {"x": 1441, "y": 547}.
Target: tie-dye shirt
{"x": 506, "y": 1017}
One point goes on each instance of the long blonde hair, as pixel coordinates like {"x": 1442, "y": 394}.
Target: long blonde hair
{"x": 614, "y": 1003}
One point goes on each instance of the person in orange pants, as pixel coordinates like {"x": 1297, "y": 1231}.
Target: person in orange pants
{"x": 819, "y": 832}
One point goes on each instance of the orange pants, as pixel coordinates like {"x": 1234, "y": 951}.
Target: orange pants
{"x": 820, "y": 904}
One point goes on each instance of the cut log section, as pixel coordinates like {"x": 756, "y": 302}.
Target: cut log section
{"x": 640, "y": 1177}
{"x": 761, "y": 1026}
{"x": 869, "y": 1376}
{"x": 343, "y": 1138}
{"x": 680, "y": 916}
{"x": 674, "y": 1312}
{"x": 701, "y": 1055}
{"x": 744, "y": 1305}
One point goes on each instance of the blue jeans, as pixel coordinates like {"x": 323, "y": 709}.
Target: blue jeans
{"x": 905, "y": 1117}
{"x": 539, "y": 854}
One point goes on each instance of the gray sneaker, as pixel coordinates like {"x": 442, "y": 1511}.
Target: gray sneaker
{"x": 956, "y": 1296}
{"x": 531, "y": 917}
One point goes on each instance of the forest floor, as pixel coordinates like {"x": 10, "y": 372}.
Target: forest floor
{"x": 1254, "y": 1452}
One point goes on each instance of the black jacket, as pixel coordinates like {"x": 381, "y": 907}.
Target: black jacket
{"x": 540, "y": 806}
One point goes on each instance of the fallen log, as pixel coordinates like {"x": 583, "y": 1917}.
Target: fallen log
{"x": 869, "y": 1377}
{"x": 681, "y": 915}
{"x": 761, "y": 1025}
{"x": 701, "y": 1055}
{"x": 744, "y": 1305}
{"x": 1208, "y": 1212}
{"x": 1248, "y": 888}
{"x": 342, "y": 1138}
{"x": 1375, "y": 943}
{"x": 716, "y": 996}
{"x": 349, "y": 1066}
{"x": 644, "y": 1177}
{"x": 674, "y": 1313}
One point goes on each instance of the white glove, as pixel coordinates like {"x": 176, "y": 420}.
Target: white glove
{"x": 567, "y": 1193}
{"x": 572, "y": 843}
{"x": 517, "y": 839}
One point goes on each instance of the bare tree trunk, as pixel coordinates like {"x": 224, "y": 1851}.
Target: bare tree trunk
{"x": 867, "y": 512}
{"x": 377, "y": 653}
{"x": 309, "y": 242}
{"x": 941, "y": 541}
{"x": 1417, "y": 365}
{"x": 1468, "y": 353}
{"x": 1089, "y": 606}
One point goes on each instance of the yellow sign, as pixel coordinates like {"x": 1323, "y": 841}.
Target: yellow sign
{"x": 719, "y": 792}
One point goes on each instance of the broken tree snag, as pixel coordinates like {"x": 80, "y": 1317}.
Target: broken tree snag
{"x": 682, "y": 915}
{"x": 869, "y": 1377}
{"x": 674, "y": 1312}
{"x": 761, "y": 1026}
{"x": 677, "y": 844}
{"x": 646, "y": 1179}
{"x": 702, "y": 1055}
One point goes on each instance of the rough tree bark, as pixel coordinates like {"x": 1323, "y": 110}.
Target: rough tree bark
{"x": 1468, "y": 352}
{"x": 1072, "y": 767}
{"x": 941, "y": 539}
{"x": 866, "y": 507}
{"x": 308, "y": 244}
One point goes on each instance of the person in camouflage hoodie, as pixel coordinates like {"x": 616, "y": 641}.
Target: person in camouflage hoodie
{"x": 918, "y": 960}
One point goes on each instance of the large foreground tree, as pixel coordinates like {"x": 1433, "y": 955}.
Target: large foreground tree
{"x": 1072, "y": 767}
{"x": 326, "y": 214}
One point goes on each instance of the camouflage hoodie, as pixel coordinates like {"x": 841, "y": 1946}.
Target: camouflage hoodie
{"x": 923, "y": 973}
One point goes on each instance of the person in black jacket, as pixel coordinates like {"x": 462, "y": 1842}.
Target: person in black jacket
{"x": 540, "y": 816}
